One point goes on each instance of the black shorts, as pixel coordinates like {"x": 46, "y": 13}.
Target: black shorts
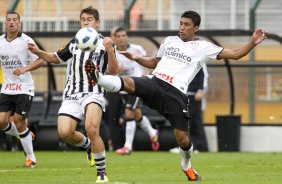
{"x": 164, "y": 98}
{"x": 16, "y": 103}
{"x": 131, "y": 102}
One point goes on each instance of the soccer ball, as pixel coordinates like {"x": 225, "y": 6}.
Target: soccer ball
{"x": 87, "y": 39}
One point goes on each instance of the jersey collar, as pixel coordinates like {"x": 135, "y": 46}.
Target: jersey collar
{"x": 19, "y": 35}
{"x": 126, "y": 47}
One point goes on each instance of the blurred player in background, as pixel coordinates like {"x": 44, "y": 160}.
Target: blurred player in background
{"x": 18, "y": 87}
{"x": 81, "y": 97}
{"x": 133, "y": 104}
{"x": 178, "y": 60}
{"x": 196, "y": 93}
{"x": 112, "y": 116}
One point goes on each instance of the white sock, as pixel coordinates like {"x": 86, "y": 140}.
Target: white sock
{"x": 27, "y": 145}
{"x": 11, "y": 129}
{"x": 129, "y": 133}
{"x": 109, "y": 82}
{"x": 186, "y": 158}
{"x": 84, "y": 143}
{"x": 147, "y": 127}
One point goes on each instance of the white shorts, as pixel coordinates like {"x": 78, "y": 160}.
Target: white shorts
{"x": 74, "y": 106}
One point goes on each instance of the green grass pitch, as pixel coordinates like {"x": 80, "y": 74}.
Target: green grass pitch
{"x": 142, "y": 167}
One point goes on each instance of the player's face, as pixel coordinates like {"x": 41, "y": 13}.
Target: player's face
{"x": 121, "y": 38}
{"x": 12, "y": 23}
{"x": 187, "y": 29}
{"x": 87, "y": 20}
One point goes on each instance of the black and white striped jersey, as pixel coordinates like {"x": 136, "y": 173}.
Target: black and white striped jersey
{"x": 77, "y": 81}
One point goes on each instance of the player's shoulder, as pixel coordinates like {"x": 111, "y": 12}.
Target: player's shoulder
{"x": 170, "y": 39}
{"x": 135, "y": 46}
{"x": 100, "y": 45}
{"x": 68, "y": 47}
{"x": 2, "y": 36}
{"x": 25, "y": 37}
{"x": 205, "y": 43}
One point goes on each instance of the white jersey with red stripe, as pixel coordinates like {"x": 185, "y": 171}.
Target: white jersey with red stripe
{"x": 181, "y": 61}
{"x": 15, "y": 54}
{"x": 131, "y": 68}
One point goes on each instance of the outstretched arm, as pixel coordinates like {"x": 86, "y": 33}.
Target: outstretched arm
{"x": 112, "y": 61}
{"x": 149, "y": 62}
{"x": 47, "y": 56}
{"x": 258, "y": 36}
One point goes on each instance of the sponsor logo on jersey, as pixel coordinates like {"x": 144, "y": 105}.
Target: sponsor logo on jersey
{"x": 175, "y": 54}
{"x": 7, "y": 63}
{"x": 67, "y": 97}
{"x": 95, "y": 56}
{"x": 13, "y": 87}
{"x": 164, "y": 76}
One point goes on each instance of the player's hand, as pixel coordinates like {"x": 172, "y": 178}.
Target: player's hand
{"x": 33, "y": 48}
{"x": 108, "y": 44}
{"x": 199, "y": 95}
{"x": 258, "y": 36}
{"x": 19, "y": 71}
{"x": 128, "y": 55}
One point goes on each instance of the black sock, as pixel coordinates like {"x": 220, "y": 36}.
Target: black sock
{"x": 186, "y": 148}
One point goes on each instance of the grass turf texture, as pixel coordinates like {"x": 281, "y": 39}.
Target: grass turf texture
{"x": 143, "y": 167}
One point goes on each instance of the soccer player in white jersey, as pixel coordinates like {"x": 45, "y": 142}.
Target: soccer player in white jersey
{"x": 178, "y": 60}
{"x": 82, "y": 98}
{"x": 133, "y": 104}
{"x": 17, "y": 90}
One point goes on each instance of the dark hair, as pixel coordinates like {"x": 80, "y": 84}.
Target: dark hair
{"x": 119, "y": 29}
{"x": 90, "y": 10}
{"x": 194, "y": 16}
{"x": 13, "y": 12}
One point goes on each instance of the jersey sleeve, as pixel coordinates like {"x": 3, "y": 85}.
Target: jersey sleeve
{"x": 206, "y": 77}
{"x": 31, "y": 57}
{"x": 65, "y": 52}
{"x": 161, "y": 50}
{"x": 141, "y": 51}
{"x": 212, "y": 50}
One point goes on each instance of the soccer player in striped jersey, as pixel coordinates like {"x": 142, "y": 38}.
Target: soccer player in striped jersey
{"x": 178, "y": 60}
{"x": 82, "y": 98}
{"x": 17, "y": 90}
{"x": 133, "y": 104}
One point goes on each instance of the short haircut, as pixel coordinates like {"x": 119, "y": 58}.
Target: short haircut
{"x": 119, "y": 29}
{"x": 13, "y": 12}
{"x": 194, "y": 16}
{"x": 113, "y": 30}
{"x": 90, "y": 10}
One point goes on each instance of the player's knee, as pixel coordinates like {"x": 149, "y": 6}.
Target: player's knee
{"x": 64, "y": 134}
{"x": 182, "y": 140}
{"x": 3, "y": 124}
{"x": 128, "y": 84}
{"x": 92, "y": 131}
